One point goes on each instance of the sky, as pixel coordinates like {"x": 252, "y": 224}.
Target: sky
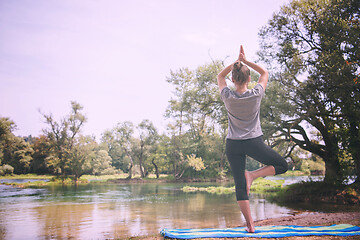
{"x": 113, "y": 56}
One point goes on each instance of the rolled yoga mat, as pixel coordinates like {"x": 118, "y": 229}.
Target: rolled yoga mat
{"x": 263, "y": 232}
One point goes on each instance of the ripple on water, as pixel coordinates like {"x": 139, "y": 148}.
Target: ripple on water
{"x": 10, "y": 191}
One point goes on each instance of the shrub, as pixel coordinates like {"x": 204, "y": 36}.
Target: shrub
{"x": 6, "y": 170}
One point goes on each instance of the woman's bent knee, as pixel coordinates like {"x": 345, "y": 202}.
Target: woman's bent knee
{"x": 281, "y": 168}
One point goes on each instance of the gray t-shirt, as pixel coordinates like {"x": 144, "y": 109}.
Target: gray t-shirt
{"x": 243, "y": 112}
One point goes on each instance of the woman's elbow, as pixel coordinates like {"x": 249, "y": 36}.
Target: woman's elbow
{"x": 264, "y": 73}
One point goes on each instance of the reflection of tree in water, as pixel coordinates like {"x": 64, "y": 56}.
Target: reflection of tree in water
{"x": 262, "y": 209}
{"x": 2, "y": 232}
{"x": 63, "y": 221}
{"x": 185, "y": 211}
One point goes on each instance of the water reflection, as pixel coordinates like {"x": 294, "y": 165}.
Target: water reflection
{"x": 114, "y": 211}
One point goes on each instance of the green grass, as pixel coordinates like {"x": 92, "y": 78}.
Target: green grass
{"x": 263, "y": 186}
{"x": 293, "y": 173}
{"x": 26, "y": 176}
{"x": 216, "y": 190}
{"x": 259, "y": 186}
{"x": 103, "y": 178}
{"x": 319, "y": 192}
{"x": 85, "y": 179}
{"x": 53, "y": 181}
{"x": 28, "y": 184}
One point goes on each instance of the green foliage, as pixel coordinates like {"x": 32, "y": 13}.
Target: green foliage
{"x": 42, "y": 148}
{"x": 122, "y": 145}
{"x": 311, "y": 104}
{"x": 318, "y": 192}
{"x": 119, "y": 159}
{"x": 252, "y": 164}
{"x": 195, "y": 162}
{"x": 66, "y": 151}
{"x": 101, "y": 164}
{"x": 310, "y": 48}
{"x": 62, "y": 136}
{"x": 81, "y": 156}
{"x": 14, "y": 151}
{"x": 199, "y": 120}
{"x": 148, "y": 146}
{"x": 6, "y": 170}
{"x": 309, "y": 165}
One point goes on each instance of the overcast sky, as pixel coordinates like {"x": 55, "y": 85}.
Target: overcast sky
{"x": 113, "y": 56}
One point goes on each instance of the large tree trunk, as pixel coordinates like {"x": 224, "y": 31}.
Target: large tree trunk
{"x": 142, "y": 172}
{"x": 130, "y": 171}
{"x": 329, "y": 152}
{"x": 156, "y": 168}
{"x": 333, "y": 172}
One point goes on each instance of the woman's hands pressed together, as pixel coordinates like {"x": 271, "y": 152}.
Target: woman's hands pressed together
{"x": 242, "y": 57}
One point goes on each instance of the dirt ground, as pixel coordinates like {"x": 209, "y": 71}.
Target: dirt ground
{"x": 303, "y": 219}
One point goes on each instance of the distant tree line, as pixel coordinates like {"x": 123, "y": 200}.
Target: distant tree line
{"x": 310, "y": 113}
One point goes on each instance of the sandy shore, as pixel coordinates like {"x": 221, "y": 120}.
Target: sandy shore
{"x": 303, "y": 219}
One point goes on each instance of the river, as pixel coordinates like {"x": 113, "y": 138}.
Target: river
{"x": 99, "y": 211}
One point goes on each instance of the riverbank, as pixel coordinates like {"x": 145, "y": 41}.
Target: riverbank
{"x": 123, "y": 177}
{"x": 301, "y": 219}
{"x": 319, "y": 192}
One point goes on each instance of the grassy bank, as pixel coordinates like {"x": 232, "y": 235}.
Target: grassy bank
{"x": 319, "y": 192}
{"x": 259, "y": 186}
{"x": 49, "y": 180}
{"x": 26, "y": 176}
{"x": 293, "y": 174}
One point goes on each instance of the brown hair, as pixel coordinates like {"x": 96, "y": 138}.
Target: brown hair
{"x": 240, "y": 73}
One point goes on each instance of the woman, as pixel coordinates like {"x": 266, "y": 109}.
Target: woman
{"x": 244, "y": 132}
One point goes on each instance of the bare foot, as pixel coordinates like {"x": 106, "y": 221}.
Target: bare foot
{"x": 249, "y": 180}
{"x": 250, "y": 228}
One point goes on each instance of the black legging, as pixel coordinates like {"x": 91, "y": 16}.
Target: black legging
{"x": 236, "y": 151}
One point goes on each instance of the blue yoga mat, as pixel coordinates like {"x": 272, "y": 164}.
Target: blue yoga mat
{"x": 263, "y": 232}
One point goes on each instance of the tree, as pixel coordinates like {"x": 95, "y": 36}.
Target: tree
{"x": 22, "y": 156}
{"x": 6, "y": 170}
{"x": 199, "y": 118}
{"x": 173, "y": 151}
{"x": 42, "y": 150}
{"x": 337, "y": 69}
{"x": 101, "y": 164}
{"x": 309, "y": 43}
{"x": 148, "y": 137}
{"x": 157, "y": 154}
{"x": 80, "y": 156}
{"x": 63, "y": 138}
{"x": 123, "y": 136}
{"x": 14, "y": 151}
{"x": 119, "y": 159}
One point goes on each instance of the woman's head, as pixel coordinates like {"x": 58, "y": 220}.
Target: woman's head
{"x": 240, "y": 73}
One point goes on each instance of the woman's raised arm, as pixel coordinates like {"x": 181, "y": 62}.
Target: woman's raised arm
{"x": 222, "y": 76}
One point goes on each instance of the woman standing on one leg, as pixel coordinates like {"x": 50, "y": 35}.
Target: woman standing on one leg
{"x": 244, "y": 134}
